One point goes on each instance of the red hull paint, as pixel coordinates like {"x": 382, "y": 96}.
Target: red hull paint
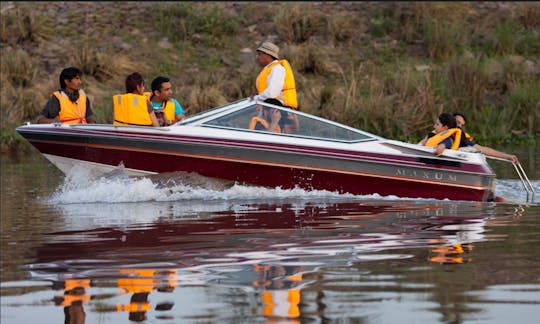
{"x": 264, "y": 174}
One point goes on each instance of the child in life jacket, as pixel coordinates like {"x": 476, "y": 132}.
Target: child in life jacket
{"x": 445, "y": 135}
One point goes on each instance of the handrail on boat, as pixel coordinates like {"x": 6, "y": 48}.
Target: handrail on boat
{"x": 522, "y": 176}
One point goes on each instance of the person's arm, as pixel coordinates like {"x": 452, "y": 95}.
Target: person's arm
{"x": 49, "y": 113}
{"x": 89, "y": 113}
{"x": 492, "y": 152}
{"x": 276, "y": 80}
{"x": 152, "y": 115}
{"x": 439, "y": 149}
{"x": 179, "y": 112}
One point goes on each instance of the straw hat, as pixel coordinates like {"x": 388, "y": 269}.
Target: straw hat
{"x": 270, "y": 49}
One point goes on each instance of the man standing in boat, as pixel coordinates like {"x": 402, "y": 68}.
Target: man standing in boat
{"x": 168, "y": 110}
{"x": 275, "y": 84}
{"x": 276, "y": 79}
{"x": 69, "y": 104}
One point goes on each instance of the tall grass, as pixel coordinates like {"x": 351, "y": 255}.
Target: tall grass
{"x": 298, "y": 23}
{"x": 186, "y": 21}
{"x": 389, "y": 68}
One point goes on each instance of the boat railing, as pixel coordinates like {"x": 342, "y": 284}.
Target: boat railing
{"x": 522, "y": 176}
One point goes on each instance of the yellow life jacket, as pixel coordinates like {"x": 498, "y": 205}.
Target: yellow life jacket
{"x": 71, "y": 112}
{"x": 263, "y": 122}
{"x": 169, "y": 108}
{"x": 131, "y": 109}
{"x": 274, "y": 303}
{"x": 469, "y": 137}
{"x": 134, "y": 307}
{"x": 289, "y": 88}
{"x": 436, "y": 139}
{"x": 68, "y": 300}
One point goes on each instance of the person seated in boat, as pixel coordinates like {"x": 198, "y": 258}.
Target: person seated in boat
{"x": 267, "y": 119}
{"x": 445, "y": 135}
{"x": 133, "y": 108}
{"x": 69, "y": 104}
{"x": 461, "y": 121}
{"x": 167, "y": 109}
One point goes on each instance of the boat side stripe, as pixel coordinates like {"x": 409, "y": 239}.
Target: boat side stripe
{"x": 287, "y": 165}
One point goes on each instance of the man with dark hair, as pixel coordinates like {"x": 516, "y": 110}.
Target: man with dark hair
{"x": 460, "y": 121}
{"x": 69, "y": 104}
{"x": 166, "y": 108}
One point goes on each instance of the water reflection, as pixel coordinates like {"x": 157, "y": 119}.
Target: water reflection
{"x": 281, "y": 251}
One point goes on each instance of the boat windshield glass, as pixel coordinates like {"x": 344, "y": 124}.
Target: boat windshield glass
{"x": 258, "y": 118}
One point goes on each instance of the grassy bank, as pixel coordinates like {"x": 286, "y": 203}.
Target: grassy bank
{"x": 388, "y": 68}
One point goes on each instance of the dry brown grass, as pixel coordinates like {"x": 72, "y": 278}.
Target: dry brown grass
{"x": 298, "y": 23}
{"x": 19, "y": 24}
{"x": 344, "y": 27}
{"x": 328, "y": 45}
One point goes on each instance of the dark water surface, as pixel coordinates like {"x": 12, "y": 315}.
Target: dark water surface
{"x": 77, "y": 249}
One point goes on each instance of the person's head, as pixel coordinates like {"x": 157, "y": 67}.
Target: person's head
{"x": 460, "y": 119}
{"x": 266, "y": 53}
{"x": 444, "y": 122}
{"x": 161, "y": 88}
{"x": 135, "y": 83}
{"x": 70, "y": 79}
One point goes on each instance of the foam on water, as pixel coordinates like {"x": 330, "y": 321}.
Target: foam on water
{"x": 81, "y": 186}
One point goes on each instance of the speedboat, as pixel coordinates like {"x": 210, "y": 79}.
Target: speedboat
{"x": 318, "y": 155}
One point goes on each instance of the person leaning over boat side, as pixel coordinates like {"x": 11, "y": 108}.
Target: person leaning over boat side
{"x": 445, "y": 135}
{"x": 167, "y": 109}
{"x": 133, "y": 107}
{"x": 69, "y": 104}
{"x": 461, "y": 121}
{"x": 275, "y": 83}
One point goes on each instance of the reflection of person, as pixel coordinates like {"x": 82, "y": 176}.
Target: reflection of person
{"x": 133, "y": 108}
{"x": 69, "y": 104}
{"x": 167, "y": 109}
{"x": 276, "y": 79}
{"x": 461, "y": 120}
{"x": 445, "y": 134}
{"x": 140, "y": 283}
{"x": 280, "y": 293}
{"x": 451, "y": 254}
{"x": 73, "y": 299}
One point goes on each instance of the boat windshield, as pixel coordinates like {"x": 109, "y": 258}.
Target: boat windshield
{"x": 255, "y": 118}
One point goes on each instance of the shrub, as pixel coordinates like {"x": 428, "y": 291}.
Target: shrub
{"x": 297, "y": 23}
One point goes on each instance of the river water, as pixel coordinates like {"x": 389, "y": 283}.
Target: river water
{"x": 182, "y": 249}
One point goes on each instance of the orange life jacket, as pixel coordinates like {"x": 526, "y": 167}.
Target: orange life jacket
{"x": 436, "y": 139}
{"x": 71, "y": 112}
{"x": 469, "y": 137}
{"x": 169, "y": 108}
{"x": 289, "y": 88}
{"x": 131, "y": 109}
{"x": 263, "y": 122}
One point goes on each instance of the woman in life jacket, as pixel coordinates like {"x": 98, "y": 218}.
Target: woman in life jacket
{"x": 445, "y": 135}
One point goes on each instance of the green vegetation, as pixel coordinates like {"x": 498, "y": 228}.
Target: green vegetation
{"x": 386, "y": 67}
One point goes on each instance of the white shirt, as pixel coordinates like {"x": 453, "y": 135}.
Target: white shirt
{"x": 275, "y": 81}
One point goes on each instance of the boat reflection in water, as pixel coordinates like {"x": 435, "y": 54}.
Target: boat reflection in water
{"x": 117, "y": 256}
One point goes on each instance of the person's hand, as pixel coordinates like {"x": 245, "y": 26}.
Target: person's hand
{"x": 513, "y": 158}
{"x": 439, "y": 150}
